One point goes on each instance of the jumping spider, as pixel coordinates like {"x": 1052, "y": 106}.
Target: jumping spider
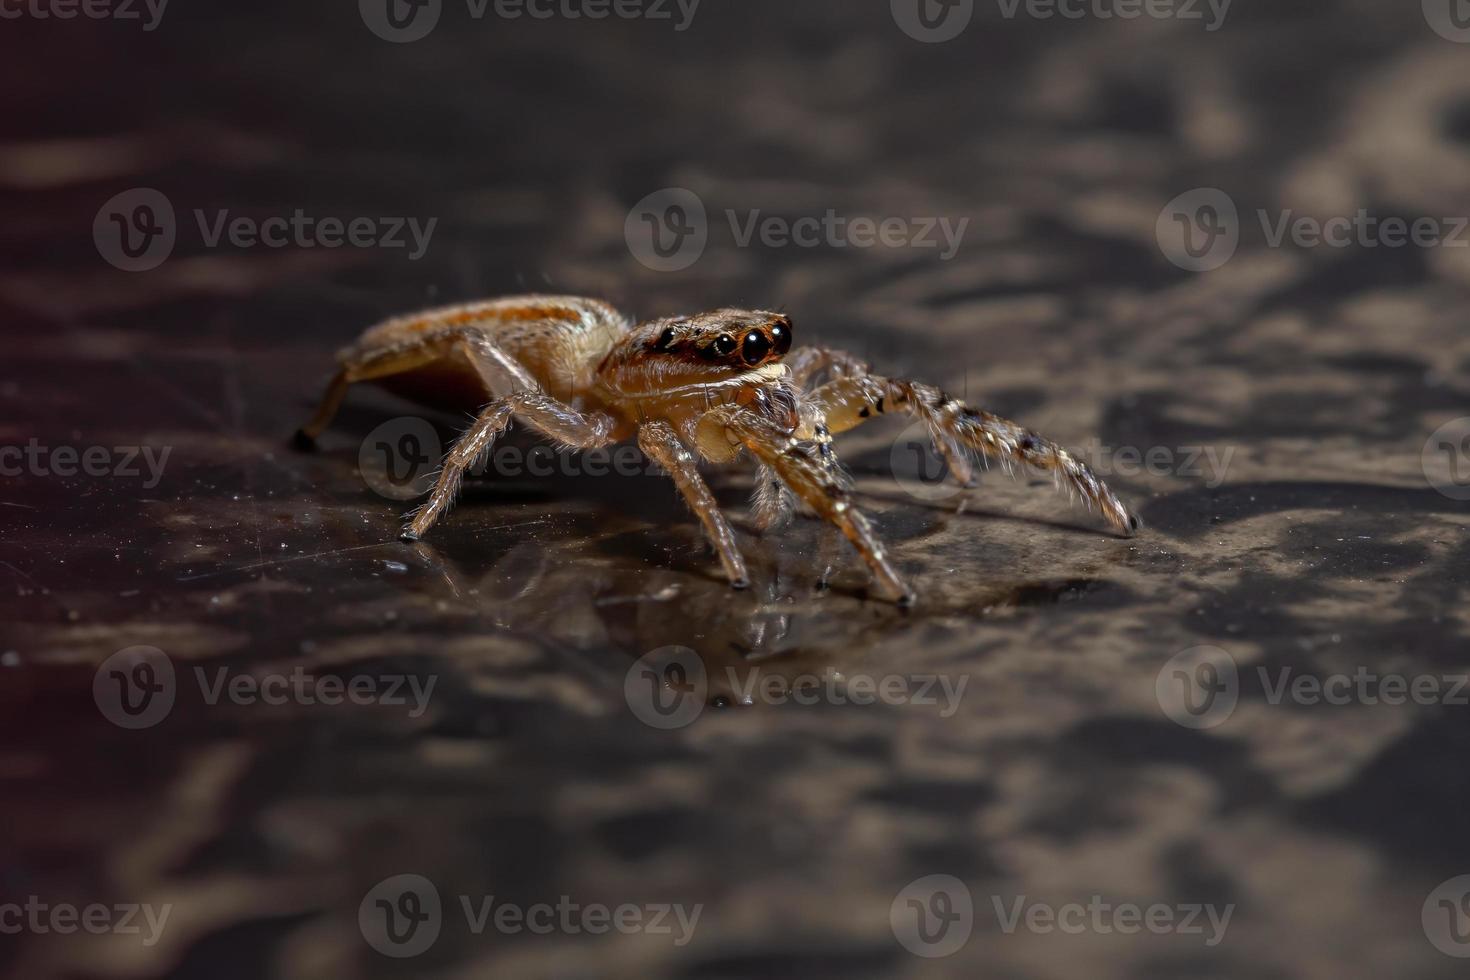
{"x": 719, "y": 383}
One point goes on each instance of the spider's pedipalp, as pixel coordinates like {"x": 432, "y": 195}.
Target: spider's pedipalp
{"x": 808, "y": 363}
{"x": 770, "y": 500}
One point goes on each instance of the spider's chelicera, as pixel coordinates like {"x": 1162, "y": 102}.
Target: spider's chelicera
{"x": 710, "y": 386}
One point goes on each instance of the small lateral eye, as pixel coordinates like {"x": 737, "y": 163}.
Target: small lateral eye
{"x": 755, "y": 348}
{"x": 724, "y": 344}
{"x": 781, "y": 337}
{"x": 664, "y": 339}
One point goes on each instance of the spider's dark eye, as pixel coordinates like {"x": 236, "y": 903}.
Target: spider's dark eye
{"x": 781, "y": 337}
{"x": 755, "y": 348}
{"x": 724, "y": 344}
{"x": 664, "y": 339}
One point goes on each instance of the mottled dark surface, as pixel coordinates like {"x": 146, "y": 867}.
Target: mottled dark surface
{"x": 1318, "y": 373}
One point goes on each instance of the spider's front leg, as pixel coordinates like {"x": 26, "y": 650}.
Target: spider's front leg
{"x": 804, "y": 472}
{"x": 957, "y": 429}
{"x": 537, "y": 409}
{"x": 661, "y": 443}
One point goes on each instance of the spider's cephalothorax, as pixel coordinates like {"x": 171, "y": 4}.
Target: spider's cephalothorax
{"x": 713, "y": 385}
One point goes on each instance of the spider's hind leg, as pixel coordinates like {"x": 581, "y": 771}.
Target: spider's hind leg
{"x": 958, "y": 431}
{"x": 307, "y": 435}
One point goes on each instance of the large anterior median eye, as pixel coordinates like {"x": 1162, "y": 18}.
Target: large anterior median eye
{"x": 664, "y": 339}
{"x": 755, "y": 348}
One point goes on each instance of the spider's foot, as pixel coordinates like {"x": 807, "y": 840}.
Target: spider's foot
{"x": 302, "y": 442}
{"x": 408, "y": 536}
{"x": 740, "y": 584}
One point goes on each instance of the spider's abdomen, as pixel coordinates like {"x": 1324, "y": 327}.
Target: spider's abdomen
{"x": 557, "y": 340}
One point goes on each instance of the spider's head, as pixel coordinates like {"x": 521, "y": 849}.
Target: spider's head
{"x": 721, "y": 345}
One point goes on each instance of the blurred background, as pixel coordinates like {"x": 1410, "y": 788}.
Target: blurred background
{"x": 1218, "y": 248}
